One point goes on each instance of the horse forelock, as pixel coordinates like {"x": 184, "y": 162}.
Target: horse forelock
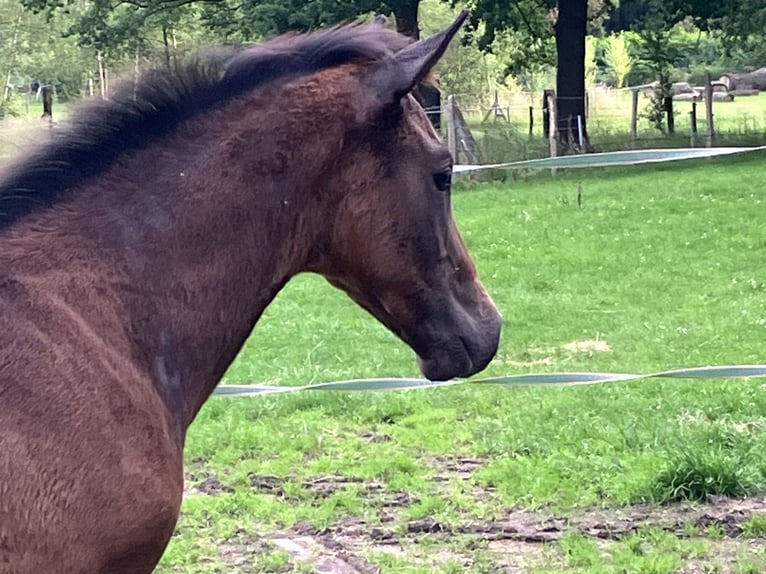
{"x": 98, "y": 132}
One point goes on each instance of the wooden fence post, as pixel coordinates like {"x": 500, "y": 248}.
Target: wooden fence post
{"x": 451, "y": 128}
{"x": 531, "y": 120}
{"x": 693, "y": 123}
{"x": 634, "y": 118}
{"x": 464, "y": 140}
{"x": 709, "y": 110}
{"x": 47, "y": 95}
{"x": 668, "y": 104}
{"x": 547, "y": 95}
{"x": 552, "y": 130}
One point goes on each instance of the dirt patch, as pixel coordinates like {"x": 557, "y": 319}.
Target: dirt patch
{"x": 515, "y": 541}
{"x": 587, "y": 346}
{"x": 460, "y": 467}
{"x": 521, "y": 538}
{"x": 375, "y": 437}
{"x": 268, "y": 484}
{"x": 324, "y": 557}
{"x": 447, "y": 469}
{"x": 727, "y": 515}
{"x": 724, "y": 513}
{"x": 18, "y": 134}
{"x": 204, "y": 483}
{"x": 241, "y": 555}
{"x": 325, "y": 486}
{"x": 725, "y": 553}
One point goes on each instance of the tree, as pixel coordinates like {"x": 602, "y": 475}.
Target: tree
{"x": 655, "y": 23}
{"x": 119, "y": 27}
{"x": 536, "y": 21}
{"x": 618, "y": 58}
{"x": 35, "y": 52}
{"x": 570, "y": 29}
{"x": 262, "y": 18}
{"x": 122, "y": 35}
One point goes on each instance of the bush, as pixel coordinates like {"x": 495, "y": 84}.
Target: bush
{"x": 10, "y": 107}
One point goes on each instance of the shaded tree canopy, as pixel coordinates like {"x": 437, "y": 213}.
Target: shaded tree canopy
{"x": 531, "y": 35}
{"x": 245, "y": 18}
{"x": 732, "y": 18}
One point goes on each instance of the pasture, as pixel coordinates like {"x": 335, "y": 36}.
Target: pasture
{"x": 659, "y": 267}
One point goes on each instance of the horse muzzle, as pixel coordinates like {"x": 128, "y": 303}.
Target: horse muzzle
{"x": 468, "y": 351}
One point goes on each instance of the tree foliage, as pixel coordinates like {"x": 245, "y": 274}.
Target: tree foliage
{"x": 618, "y": 57}
{"x": 35, "y": 50}
{"x": 63, "y": 40}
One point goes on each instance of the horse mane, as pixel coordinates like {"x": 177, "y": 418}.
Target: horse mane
{"x": 98, "y": 132}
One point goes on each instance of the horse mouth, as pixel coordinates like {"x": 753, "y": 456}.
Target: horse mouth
{"x": 454, "y": 359}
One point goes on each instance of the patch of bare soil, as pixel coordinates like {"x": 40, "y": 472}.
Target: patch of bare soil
{"x": 204, "y": 483}
{"x": 517, "y": 540}
{"x": 17, "y": 134}
{"x": 448, "y": 467}
{"x": 726, "y": 514}
{"x": 375, "y": 437}
{"x": 324, "y": 486}
{"x": 520, "y": 539}
{"x": 240, "y": 555}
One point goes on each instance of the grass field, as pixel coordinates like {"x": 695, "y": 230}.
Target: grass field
{"x": 660, "y": 267}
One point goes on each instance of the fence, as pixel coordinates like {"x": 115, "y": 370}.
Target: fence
{"x": 516, "y": 126}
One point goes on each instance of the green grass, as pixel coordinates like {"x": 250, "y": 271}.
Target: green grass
{"x": 661, "y": 267}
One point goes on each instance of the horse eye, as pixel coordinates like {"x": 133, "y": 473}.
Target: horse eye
{"x": 443, "y": 179}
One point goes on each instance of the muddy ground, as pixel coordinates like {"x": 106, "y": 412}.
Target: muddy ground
{"x": 517, "y": 540}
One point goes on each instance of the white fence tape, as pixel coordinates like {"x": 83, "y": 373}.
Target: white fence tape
{"x": 610, "y": 159}
{"x": 546, "y": 379}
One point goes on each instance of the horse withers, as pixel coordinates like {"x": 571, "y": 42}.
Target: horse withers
{"x": 139, "y": 248}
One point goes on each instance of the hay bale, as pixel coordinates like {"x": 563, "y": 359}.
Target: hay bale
{"x": 755, "y": 80}
{"x": 745, "y": 92}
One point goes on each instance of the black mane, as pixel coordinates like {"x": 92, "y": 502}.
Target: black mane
{"x": 101, "y": 131}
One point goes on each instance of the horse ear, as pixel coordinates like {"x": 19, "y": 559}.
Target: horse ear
{"x": 391, "y": 81}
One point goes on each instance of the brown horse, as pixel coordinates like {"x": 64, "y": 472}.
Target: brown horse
{"x": 139, "y": 248}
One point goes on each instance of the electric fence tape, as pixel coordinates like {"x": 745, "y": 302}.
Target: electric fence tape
{"x": 546, "y": 379}
{"x": 611, "y": 159}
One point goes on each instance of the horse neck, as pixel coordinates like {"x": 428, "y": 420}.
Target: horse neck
{"x": 184, "y": 246}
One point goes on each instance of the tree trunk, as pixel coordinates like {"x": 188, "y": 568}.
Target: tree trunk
{"x": 570, "y": 70}
{"x": 136, "y": 73}
{"x": 406, "y": 14}
{"x": 668, "y": 105}
{"x": 47, "y": 94}
{"x": 166, "y": 45}
{"x": 12, "y": 61}
{"x": 101, "y": 74}
{"x": 175, "y": 45}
